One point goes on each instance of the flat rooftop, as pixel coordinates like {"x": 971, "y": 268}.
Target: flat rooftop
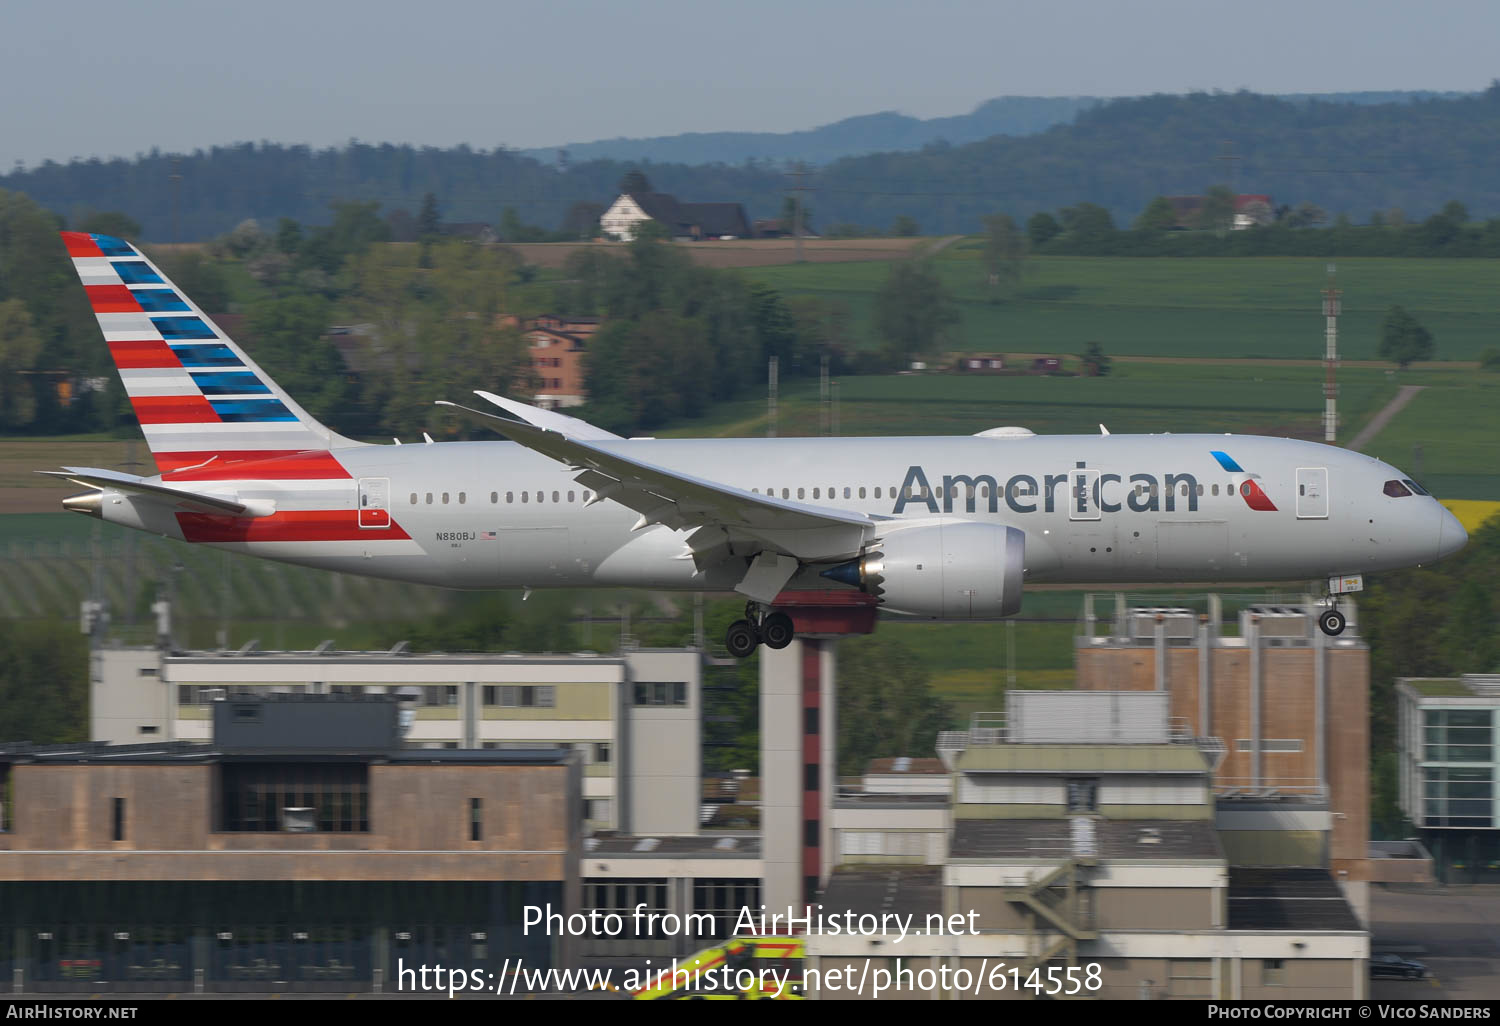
{"x": 649, "y": 846}
{"x": 1152, "y": 839}
{"x": 1470, "y": 685}
{"x": 100, "y": 752}
{"x": 1285, "y": 898}
{"x": 871, "y": 890}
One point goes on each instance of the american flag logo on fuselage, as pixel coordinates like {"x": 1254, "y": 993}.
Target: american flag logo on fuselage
{"x": 1249, "y": 488}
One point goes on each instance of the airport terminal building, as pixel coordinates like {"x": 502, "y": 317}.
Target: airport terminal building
{"x": 1192, "y": 820}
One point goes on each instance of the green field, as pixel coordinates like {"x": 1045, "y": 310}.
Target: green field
{"x": 1264, "y": 307}
{"x": 1270, "y": 399}
{"x": 1449, "y": 435}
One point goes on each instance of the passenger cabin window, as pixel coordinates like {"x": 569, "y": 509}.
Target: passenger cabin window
{"x": 1395, "y": 489}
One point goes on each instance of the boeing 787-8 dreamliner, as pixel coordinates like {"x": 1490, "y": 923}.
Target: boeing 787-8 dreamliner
{"x": 936, "y": 527}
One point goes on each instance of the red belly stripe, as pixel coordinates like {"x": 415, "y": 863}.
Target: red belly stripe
{"x": 167, "y": 462}
{"x": 317, "y": 525}
{"x": 256, "y": 466}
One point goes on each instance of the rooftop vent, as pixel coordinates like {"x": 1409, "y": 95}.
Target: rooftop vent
{"x": 1149, "y": 835}
{"x": 902, "y": 764}
{"x": 647, "y": 844}
{"x": 590, "y": 843}
{"x": 1006, "y": 432}
{"x": 726, "y": 844}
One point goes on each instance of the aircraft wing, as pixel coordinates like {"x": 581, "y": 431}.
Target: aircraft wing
{"x": 535, "y": 415}
{"x": 91, "y": 477}
{"x": 725, "y": 521}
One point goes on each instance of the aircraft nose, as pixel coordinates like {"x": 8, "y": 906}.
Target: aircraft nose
{"x": 1451, "y": 535}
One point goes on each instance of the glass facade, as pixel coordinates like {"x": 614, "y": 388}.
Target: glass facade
{"x": 1458, "y": 768}
{"x": 1457, "y": 735}
{"x": 261, "y": 935}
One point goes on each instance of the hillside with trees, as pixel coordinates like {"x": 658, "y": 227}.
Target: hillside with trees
{"x": 1344, "y": 158}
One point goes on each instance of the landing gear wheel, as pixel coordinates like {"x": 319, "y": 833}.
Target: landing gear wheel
{"x": 777, "y": 631}
{"x": 740, "y": 639}
{"x": 1332, "y": 622}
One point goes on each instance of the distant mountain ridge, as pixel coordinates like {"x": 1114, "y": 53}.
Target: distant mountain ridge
{"x": 1345, "y": 156}
{"x": 888, "y": 131}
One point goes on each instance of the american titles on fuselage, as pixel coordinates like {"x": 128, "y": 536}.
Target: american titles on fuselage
{"x": 1087, "y": 492}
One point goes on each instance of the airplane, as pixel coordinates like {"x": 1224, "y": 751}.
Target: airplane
{"x": 948, "y": 527}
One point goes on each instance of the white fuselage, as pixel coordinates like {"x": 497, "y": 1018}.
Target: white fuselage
{"x": 1097, "y": 509}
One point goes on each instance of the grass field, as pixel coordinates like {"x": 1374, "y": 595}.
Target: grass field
{"x": 1266, "y": 307}
{"x": 1449, "y": 435}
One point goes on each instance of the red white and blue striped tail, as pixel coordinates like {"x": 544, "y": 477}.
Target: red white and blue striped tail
{"x": 198, "y": 397}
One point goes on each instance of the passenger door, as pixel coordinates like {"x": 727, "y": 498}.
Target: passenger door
{"x": 1312, "y": 493}
{"x": 374, "y": 502}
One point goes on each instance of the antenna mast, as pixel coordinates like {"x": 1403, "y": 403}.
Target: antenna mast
{"x": 1331, "y": 306}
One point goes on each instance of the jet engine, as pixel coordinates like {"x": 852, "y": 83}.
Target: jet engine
{"x": 950, "y": 571}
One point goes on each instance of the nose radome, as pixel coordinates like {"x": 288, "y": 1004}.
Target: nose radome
{"x": 1451, "y": 535}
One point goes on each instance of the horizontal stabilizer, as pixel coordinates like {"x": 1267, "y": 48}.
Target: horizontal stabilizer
{"x": 130, "y": 484}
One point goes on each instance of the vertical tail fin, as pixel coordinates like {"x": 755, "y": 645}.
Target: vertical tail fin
{"x": 198, "y": 397}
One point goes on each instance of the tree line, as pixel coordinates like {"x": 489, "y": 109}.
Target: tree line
{"x": 1338, "y": 156}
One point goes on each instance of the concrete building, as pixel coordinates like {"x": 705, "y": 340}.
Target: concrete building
{"x": 634, "y": 719}
{"x": 1083, "y": 834}
{"x": 1291, "y": 707}
{"x": 303, "y": 848}
{"x": 1450, "y": 773}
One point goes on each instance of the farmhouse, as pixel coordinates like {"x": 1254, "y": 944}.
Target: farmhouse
{"x": 682, "y": 220}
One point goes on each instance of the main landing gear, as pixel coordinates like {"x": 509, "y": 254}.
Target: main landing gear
{"x": 775, "y": 629}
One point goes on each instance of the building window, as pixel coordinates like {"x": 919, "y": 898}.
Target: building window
{"x": 521, "y": 696}
{"x": 810, "y": 776}
{"x": 724, "y": 899}
{"x": 661, "y": 693}
{"x": 809, "y": 721}
{"x": 1273, "y": 972}
{"x": 601, "y": 752}
{"x": 440, "y": 694}
{"x": 475, "y": 830}
{"x": 810, "y": 833}
{"x": 119, "y": 819}
{"x": 1083, "y": 795}
{"x": 255, "y": 797}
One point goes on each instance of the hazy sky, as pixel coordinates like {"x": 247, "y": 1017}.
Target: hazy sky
{"x": 108, "y": 78}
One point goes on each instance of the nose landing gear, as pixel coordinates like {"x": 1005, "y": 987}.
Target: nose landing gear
{"x": 1332, "y": 622}
{"x": 759, "y": 625}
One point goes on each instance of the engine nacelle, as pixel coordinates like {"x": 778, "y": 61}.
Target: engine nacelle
{"x": 954, "y": 571}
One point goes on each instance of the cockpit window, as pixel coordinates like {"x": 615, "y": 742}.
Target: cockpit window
{"x": 1414, "y": 486}
{"x": 1395, "y": 489}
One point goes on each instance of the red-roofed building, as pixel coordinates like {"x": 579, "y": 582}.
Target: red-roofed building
{"x": 1253, "y": 209}
{"x": 557, "y": 346}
